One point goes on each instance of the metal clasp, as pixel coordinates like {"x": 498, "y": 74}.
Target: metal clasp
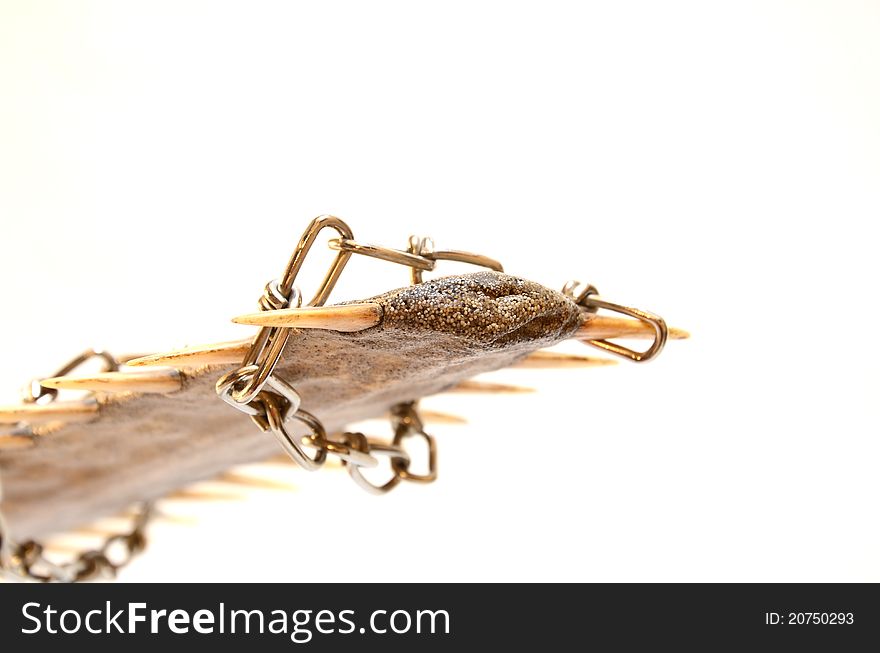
{"x": 589, "y": 300}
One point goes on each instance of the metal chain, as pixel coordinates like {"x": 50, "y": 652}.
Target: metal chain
{"x": 255, "y": 389}
{"x": 27, "y": 560}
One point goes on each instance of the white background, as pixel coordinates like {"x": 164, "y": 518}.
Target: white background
{"x": 715, "y": 162}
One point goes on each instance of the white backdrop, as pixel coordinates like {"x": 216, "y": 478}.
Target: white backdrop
{"x": 715, "y": 162}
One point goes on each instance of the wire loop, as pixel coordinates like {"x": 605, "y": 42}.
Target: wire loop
{"x": 587, "y": 297}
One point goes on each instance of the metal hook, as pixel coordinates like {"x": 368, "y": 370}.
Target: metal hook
{"x": 588, "y": 299}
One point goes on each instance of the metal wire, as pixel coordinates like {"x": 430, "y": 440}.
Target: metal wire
{"x": 587, "y": 297}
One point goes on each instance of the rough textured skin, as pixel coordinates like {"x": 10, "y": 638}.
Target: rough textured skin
{"x": 142, "y": 446}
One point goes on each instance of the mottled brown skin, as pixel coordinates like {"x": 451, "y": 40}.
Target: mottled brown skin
{"x": 431, "y": 336}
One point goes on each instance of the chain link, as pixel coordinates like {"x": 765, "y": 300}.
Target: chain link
{"x": 27, "y": 560}
{"x": 255, "y": 388}
{"x": 587, "y": 298}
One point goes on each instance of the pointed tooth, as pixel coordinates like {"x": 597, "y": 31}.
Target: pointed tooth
{"x": 487, "y": 387}
{"x": 174, "y": 519}
{"x": 440, "y": 418}
{"x": 546, "y": 360}
{"x": 204, "y": 495}
{"x": 602, "y": 327}
{"x": 255, "y": 482}
{"x": 221, "y": 353}
{"x": 153, "y": 381}
{"x": 347, "y": 317}
{"x": 57, "y": 411}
